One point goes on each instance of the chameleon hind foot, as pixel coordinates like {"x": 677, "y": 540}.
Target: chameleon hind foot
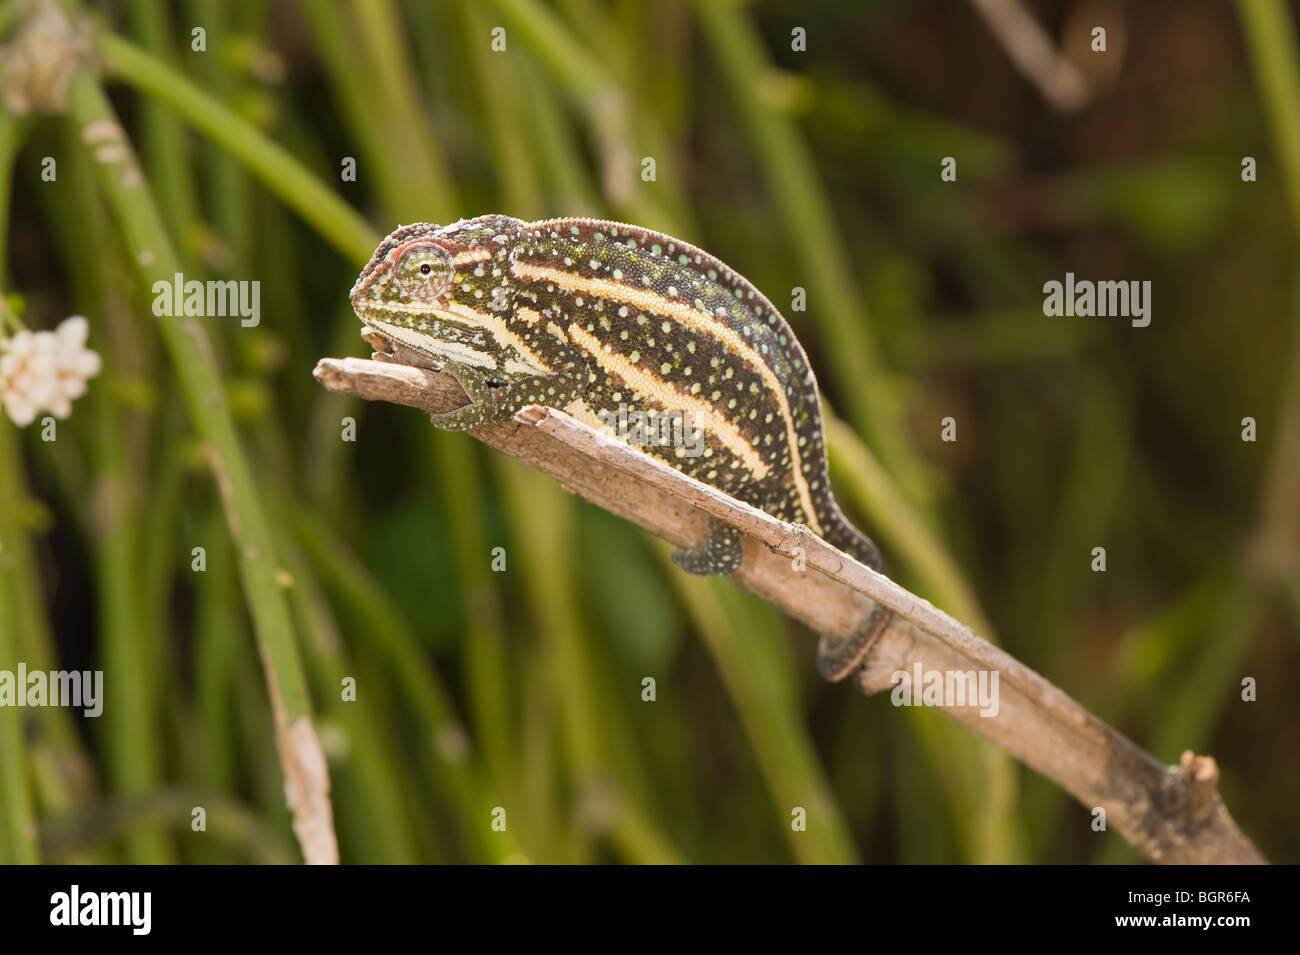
{"x": 720, "y": 555}
{"x": 837, "y": 658}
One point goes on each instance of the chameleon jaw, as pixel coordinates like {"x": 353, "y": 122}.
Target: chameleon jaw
{"x": 454, "y": 352}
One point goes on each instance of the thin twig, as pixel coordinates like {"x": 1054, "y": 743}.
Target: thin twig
{"x": 1169, "y": 814}
{"x": 1031, "y": 50}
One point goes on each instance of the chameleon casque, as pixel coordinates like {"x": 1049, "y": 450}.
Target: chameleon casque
{"x": 590, "y": 317}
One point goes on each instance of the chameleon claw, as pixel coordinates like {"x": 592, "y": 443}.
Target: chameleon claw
{"x": 461, "y": 419}
{"x": 719, "y": 557}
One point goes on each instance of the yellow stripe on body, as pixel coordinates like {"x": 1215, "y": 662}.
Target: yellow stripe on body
{"x": 703, "y": 414}
{"x": 702, "y": 323}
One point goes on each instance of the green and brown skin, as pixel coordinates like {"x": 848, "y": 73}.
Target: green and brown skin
{"x": 586, "y": 316}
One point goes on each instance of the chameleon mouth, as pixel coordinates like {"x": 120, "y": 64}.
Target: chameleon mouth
{"x": 443, "y": 349}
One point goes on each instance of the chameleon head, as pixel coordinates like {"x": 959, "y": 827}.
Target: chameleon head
{"x": 405, "y": 279}
{"x": 445, "y": 292}
{"x": 405, "y": 294}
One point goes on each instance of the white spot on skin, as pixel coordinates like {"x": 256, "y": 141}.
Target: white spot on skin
{"x": 695, "y": 319}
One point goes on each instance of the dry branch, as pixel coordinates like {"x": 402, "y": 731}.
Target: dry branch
{"x": 1170, "y": 814}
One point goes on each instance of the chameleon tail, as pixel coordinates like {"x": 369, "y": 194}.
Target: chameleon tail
{"x": 839, "y": 657}
{"x": 837, "y": 531}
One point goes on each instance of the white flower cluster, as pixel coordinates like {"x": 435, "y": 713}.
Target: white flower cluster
{"x": 45, "y": 371}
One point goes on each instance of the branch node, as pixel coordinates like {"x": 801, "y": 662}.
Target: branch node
{"x": 1197, "y": 778}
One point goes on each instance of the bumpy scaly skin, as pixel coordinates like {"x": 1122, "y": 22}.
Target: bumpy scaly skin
{"x": 591, "y": 316}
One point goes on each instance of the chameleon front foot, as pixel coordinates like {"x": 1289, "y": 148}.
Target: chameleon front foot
{"x": 837, "y": 658}
{"x": 481, "y": 407}
{"x": 461, "y": 419}
{"x": 720, "y": 555}
{"x": 500, "y": 401}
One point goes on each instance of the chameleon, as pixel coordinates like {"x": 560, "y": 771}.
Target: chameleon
{"x": 594, "y": 318}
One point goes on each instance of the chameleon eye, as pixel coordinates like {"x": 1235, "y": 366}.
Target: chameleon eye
{"x": 423, "y": 271}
